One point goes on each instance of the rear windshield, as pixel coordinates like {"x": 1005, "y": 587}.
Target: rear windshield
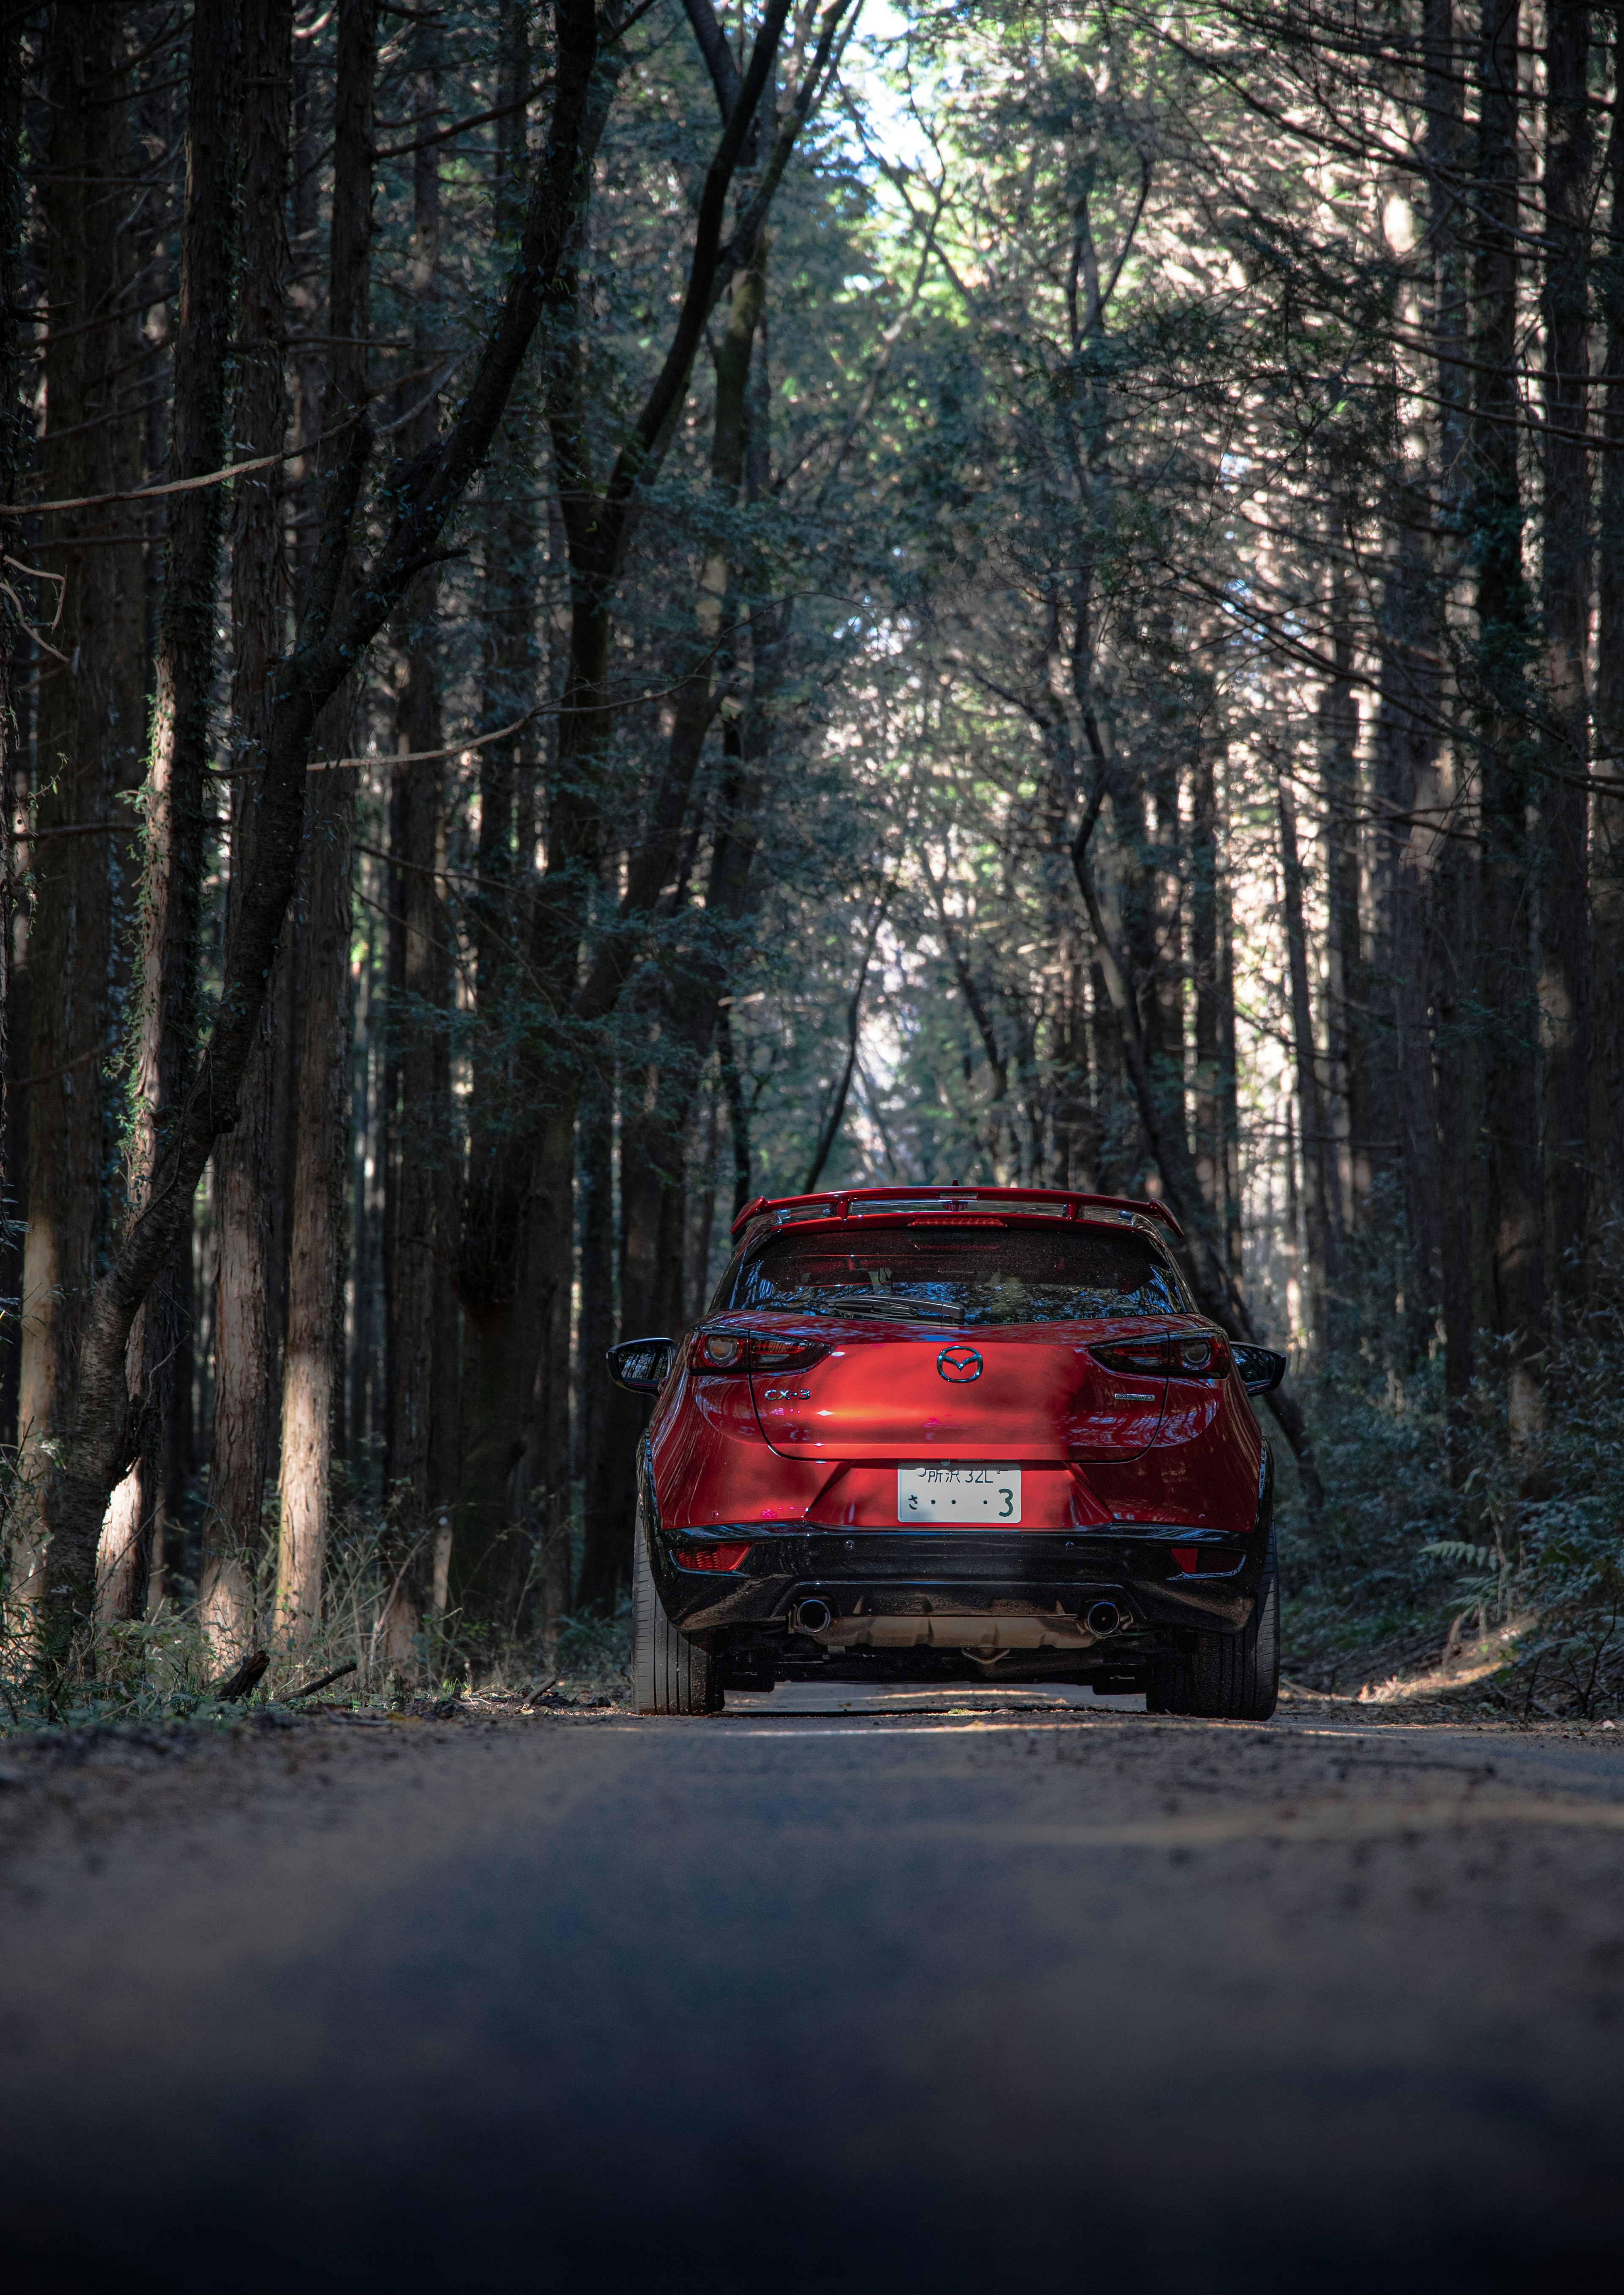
{"x": 978, "y": 1275}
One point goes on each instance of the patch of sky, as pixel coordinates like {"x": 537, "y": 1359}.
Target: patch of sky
{"x": 874, "y": 68}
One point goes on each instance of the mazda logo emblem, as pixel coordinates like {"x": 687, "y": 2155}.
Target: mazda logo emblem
{"x": 959, "y": 1365}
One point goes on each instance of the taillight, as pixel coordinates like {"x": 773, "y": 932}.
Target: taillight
{"x": 1147, "y": 1356}
{"x": 1196, "y": 1355}
{"x": 711, "y": 1557}
{"x": 768, "y": 1353}
{"x": 748, "y": 1350}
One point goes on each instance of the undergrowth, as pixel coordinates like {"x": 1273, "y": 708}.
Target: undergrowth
{"x": 164, "y": 1668}
{"x": 1435, "y": 1525}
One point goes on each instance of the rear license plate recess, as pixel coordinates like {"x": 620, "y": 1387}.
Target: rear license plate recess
{"x": 982, "y": 1495}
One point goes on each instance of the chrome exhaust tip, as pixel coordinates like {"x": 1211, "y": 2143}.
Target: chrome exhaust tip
{"x": 811, "y": 1616}
{"x": 1105, "y": 1618}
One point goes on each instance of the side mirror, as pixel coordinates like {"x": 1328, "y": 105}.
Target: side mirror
{"x": 639, "y": 1365}
{"x": 1261, "y": 1369}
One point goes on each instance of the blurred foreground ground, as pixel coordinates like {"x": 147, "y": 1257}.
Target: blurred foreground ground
{"x": 834, "y": 1992}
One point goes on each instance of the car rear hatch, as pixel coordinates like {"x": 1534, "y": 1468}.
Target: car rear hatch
{"x": 893, "y": 1392}
{"x": 970, "y": 1337}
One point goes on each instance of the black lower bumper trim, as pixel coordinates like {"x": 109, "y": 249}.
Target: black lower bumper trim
{"x": 902, "y": 1574}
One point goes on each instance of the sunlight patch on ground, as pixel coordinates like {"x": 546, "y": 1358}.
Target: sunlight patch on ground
{"x": 1467, "y": 1666}
{"x": 1476, "y": 1662}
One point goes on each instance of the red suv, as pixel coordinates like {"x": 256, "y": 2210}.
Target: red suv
{"x": 936, "y": 1435}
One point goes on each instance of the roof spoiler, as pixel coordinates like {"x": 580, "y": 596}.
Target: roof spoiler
{"x": 1052, "y": 1203}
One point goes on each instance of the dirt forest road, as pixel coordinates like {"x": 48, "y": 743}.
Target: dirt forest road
{"x": 970, "y": 1998}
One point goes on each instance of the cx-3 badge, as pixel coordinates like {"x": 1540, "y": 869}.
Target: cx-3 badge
{"x": 959, "y": 1364}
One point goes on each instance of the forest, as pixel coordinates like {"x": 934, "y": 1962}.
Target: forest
{"x": 610, "y": 609}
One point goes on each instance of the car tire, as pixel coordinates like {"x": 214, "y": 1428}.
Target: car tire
{"x": 670, "y": 1674}
{"x": 1230, "y": 1677}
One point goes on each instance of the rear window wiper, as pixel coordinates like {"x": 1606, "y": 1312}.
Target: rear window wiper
{"x": 861, "y": 1303}
{"x": 889, "y": 1302}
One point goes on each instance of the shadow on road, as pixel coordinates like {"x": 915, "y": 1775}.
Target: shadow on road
{"x": 840, "y": 1992}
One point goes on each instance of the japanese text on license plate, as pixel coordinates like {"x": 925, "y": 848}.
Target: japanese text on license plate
{"x": 967, "y": 1494}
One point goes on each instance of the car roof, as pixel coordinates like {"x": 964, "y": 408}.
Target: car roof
{"x": 949, "y": 1204}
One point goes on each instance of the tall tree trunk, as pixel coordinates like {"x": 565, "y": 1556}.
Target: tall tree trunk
{"x": 653, "y": 1170}
{"x": 1076, "y": 1114}
{"x": 1454, "y": 921}
{"x": 1444, "y": 160}
{"x": 489, "y": 1233}
{"x": 1604, "y": 1161}
{"x": 1403, "y": 860}
{"x": 1121, "y": 1152}
{"x": 360, "y": 1389}
{"x": 483, "y": 1570}
{"x": 312, "y": 1366}
{"x": 1229, "y": 1088}
{"x": 1562, "y": 905}
{"x": 599, "y": 1431}
{"x": 1503, "y": 712}
{"x": 1447, "y": 918}
{"x": 174, "y": 796}
{"x": 418, "y": 1349}
{"x": 739, "y": 1114}
{"x": 1212, "y": 967}
{"x": 247, "y": 1167}
{"x": 1164, "y": 986}
{"x": 1323, "y": 1272}
{"x": 1205, "y": 976}
{"x": 284, "y": 1014}
{"x": 132, "y": 1529}
{"x": 1136, "y": 888}
{"x": 70, "y": 936}
{"x": 545, "y": 1269}
{"x": 14, "y": 767}
{"x": 1346, "y": 1030}
{"x": 312, "y": 1357}
{"x": 697, "y": 1259}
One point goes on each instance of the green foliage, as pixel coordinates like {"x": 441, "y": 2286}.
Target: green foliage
{"x": 1370, "y": 1566}
{"x": 594, "y": 1654}
{"x": 1431, "y": 1511}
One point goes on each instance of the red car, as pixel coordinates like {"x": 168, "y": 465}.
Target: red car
{"x": 930, "y": 1435}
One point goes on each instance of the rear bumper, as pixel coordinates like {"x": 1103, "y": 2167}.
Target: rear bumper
{"x": 1022, "y": 1595}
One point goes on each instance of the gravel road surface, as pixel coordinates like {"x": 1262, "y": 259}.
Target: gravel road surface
{"x": 948, "y": 1995}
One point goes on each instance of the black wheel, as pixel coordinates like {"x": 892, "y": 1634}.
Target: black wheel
{"x": 1231, "y": 1677}
{"x": 670, "y": 1674}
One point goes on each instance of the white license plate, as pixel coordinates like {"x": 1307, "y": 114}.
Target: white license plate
{"x": 983, "y": 1494}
